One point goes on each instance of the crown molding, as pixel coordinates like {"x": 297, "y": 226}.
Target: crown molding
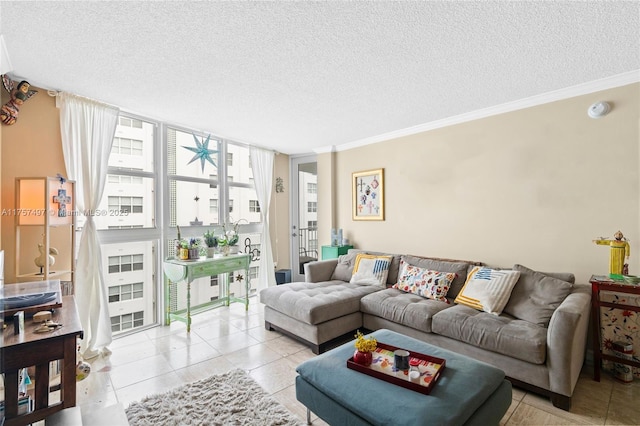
{"x": 556, "y": 95}
{"x": 326, "y": 149}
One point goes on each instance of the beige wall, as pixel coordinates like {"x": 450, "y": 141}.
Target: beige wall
{"x": 533, "y": 186}
{"x": 32, "y": 147}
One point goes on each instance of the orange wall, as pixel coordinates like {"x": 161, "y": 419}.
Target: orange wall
{"x": 30, "y": 147}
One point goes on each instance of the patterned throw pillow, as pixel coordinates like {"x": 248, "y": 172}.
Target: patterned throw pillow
{"x": 488, "y": 289}
{"x": 424, "y": 282}
{"x": 370, "y": 270}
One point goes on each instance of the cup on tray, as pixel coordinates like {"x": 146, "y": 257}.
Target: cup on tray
{"x": 401, "y": 359}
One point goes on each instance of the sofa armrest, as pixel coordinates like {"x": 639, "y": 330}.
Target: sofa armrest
{"x": 567, "y": 339}
{"x": 322, "y": 270}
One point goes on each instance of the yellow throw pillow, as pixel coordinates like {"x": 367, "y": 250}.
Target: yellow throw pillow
{"x": 370, "y": 269}
{"x": 488, "y": 289}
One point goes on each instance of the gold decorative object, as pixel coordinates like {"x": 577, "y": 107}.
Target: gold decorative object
{"x": 618, "y": 253}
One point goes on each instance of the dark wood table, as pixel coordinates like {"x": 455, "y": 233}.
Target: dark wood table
{"x": 603, "y": 283}
{"x": 39, "y": 349}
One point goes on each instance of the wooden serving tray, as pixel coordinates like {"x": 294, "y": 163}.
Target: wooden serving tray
{"x": 382, "y": 368}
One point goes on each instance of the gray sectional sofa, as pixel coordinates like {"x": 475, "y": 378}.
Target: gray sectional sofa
{"x": 539, "y": 339}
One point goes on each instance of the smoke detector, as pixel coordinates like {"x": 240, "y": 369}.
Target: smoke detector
{"x": 599, "y": 109}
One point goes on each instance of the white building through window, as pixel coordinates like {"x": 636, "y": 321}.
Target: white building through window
{"x": 127, "y": 321}
{"x": 196, "y": 198}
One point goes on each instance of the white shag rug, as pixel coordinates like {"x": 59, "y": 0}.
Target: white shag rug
{"x": 231, "y": 398}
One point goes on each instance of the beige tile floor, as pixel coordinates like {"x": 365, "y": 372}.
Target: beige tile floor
{"x": 164, "y": 357}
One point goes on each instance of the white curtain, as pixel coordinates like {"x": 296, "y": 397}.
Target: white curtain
{"x": 262, "y": 165}
{"x": 88, "y": 128}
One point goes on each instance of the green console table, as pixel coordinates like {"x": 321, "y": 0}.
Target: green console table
{"x": 176, "y": 271}
{"x": 332, "y": 252}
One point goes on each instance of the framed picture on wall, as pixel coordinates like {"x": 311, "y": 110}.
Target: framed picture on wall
{"x": 368, "y": 195}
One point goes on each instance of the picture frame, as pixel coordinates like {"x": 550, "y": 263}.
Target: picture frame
{"x": 368, "y": 195}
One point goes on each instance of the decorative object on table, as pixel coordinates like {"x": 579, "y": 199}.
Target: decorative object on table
{"x": 364, "y": 348}
{"x": 18, "y": 322}
{"x": 22, "y": 92}
{"x": 340, "y": 240}
{"x": 42, "y": 316}
{"x": 211, "y": 242}
{"x": 618, "y": 253}
{"x": 229, "y": 237}
{"x": 401, "y": 359}
{"x": 368, "y": 195}
{"x": 383, "y": 368}
{"x": 631, "y": 279}
{"x": 232, "y": 398}
{"x": 279, "y": 185}
{"x": 47, "y": 327}
{"x": 334, "y": 237}
{"x": 202, "y": 151}
{"x": 41, "y": 260}
{"x": 189, "y": 250}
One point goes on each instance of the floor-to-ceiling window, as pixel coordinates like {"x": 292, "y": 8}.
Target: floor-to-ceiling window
{"x": 210, "y": 187}
{"x": 127, "y": 223}
{"x": 206, "y": 185}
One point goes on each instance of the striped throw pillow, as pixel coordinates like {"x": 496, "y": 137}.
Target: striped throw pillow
{"x": 488, "y": 289}
{"x": 371, "y": 270}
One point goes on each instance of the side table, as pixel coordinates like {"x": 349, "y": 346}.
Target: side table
{"x": 332, "y": 252}
{"x": 188, "y": 270}
{"x": 39, "y": 349}
{"x": 603, "y": 283}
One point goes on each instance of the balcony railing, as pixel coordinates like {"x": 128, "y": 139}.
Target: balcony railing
{"x": 308, "y": 246}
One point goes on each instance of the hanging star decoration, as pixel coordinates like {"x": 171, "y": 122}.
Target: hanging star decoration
{"x": 202, "y": 151}
{"x": 239, "y": 277}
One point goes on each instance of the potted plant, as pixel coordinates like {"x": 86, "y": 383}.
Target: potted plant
{"x": 229, "y": 237}
{"x": 189, "y": 249}
{"x": 364, "y": 349}
{"x": 211, "y": 242}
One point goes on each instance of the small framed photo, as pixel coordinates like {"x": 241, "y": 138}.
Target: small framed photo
{"x": 368, "y": 195}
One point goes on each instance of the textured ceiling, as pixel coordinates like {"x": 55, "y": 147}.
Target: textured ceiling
{"x": 299, "y": 76}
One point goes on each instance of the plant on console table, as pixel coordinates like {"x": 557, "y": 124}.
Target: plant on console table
{"x": 189, "y": 250}
{"x": 364, "y": 349}
{"x": 211, "y": 242}
{"x": 229, "y": 237}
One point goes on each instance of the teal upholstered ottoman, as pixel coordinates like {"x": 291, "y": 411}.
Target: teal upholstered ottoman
{"x": 468, "y": 392}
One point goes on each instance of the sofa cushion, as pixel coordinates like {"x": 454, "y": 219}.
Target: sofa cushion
{"x": 403, "y": 308}
{"x": 344, "y": 268}
{"x": 503, "y": 334}
{"x": 314, "y": 303}
{"x": 346, "y": 262}
{"x": 488, "y": 289}
{"x": 370, "y": 270}
{"x": 459, "y": 268}
{"x": 536, "y": 296}
{"x": 424, "y": 282}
